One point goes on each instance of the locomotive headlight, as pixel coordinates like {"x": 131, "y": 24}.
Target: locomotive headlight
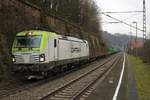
{"x": 42, "y": 57}
{"x": 13, "y": 59}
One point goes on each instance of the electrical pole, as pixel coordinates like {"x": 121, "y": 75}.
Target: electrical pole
{"x": 130, "y": 39}
{"x": 130, "y": 33}
{"x": 136, "y": 39}
{"x": 144, "y": 21}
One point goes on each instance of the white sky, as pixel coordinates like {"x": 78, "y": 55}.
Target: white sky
{"x": 124, "y": 5}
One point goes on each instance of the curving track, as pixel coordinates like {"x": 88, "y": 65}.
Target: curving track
{"x": 74, "y": 88}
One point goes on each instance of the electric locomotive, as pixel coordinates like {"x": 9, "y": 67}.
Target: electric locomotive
{"x": 35, "y": 52}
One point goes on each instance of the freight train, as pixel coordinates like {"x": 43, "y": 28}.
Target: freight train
{"x": 35, "y": 53}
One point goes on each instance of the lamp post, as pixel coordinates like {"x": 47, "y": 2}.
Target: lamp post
{"x": 136, "y": 39}
{"x": 130, "y": 32}
{"x": 130, "y": 39}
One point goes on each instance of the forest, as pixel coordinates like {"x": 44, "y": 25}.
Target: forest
{"x": 64, "y": 16}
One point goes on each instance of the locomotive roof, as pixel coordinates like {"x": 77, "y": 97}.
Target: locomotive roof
{"x": 75, "y": 39}
{"x": 37, "y": 32}
{"x": 46, "y": 33}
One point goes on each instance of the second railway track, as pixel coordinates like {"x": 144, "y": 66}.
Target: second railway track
{"x": 74, "y": 88}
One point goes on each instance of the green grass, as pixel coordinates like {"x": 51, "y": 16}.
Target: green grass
{"x": 142, "y": 77}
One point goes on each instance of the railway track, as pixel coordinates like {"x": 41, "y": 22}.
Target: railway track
{"x": 28, "y": 86}
{"x": 74, "y": 88}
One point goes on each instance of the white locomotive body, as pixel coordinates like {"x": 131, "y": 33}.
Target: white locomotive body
{"x": 41, "y": 51}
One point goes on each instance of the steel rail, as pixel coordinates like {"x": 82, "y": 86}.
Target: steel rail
{"x": 92, "y": 83}
{"x": 51, "y": 94}
{"x": 39, "y": 83}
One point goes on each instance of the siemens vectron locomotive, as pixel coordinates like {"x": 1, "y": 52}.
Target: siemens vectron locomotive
{"x": 35, "y": 53}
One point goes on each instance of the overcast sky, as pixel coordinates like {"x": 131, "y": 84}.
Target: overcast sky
{"x": 123, "y": 5}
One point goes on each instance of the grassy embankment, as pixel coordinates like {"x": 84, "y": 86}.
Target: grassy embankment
{"x": 142, "y": 77}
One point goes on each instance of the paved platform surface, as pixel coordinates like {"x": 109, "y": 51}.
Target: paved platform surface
{"x": 132, "y": 93}
{"x": 106, "y": 88}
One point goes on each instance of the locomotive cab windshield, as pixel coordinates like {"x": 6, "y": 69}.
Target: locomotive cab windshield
{"x": 29, "y": 41}
{"x": 29, "y": 47}
{"x": 32, "y": 41}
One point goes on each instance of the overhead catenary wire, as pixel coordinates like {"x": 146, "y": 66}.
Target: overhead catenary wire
{"x": 129, "y": 17}
{"x": 121, "y": 21}
{"x": 124, "y": 12}
{"x": 110, "y": 22}
{"x": 116, "y": 22}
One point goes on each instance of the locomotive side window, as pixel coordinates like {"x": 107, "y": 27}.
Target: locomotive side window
{"x": 55, "y": 42}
